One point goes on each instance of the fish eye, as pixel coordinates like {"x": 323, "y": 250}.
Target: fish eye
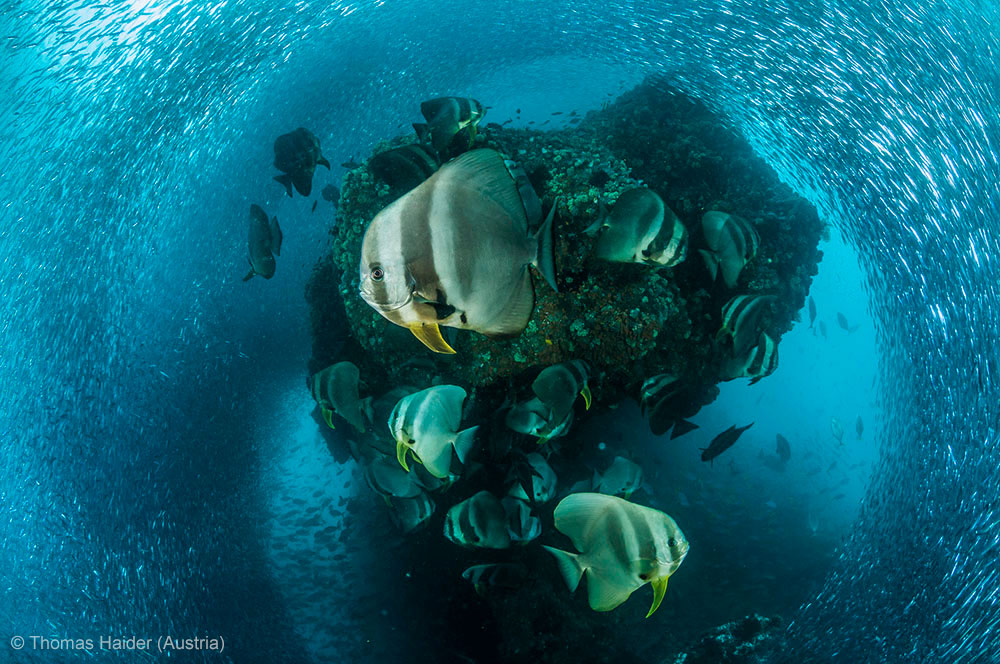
{"x": 672, "y": 542}
{"x": 378, "y": 273}
{"x": 644, "y": 577}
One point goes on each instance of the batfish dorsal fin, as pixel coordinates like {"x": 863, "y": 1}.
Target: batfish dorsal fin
{"x": 484, "y": 171}
{"x": 577, "y": 513}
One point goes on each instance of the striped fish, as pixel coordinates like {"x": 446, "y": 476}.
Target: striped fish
{"x": 451, "y": 124}
{"x": 744, "y": 317}
{"x": 296, "y": 155}
{"x": 640, "y": 228}
{"x": 455, "y": 251}
{"x": 263, "y": 243}
{"x": 522, "y": 525}
{"x": 409, "y": 514}
{"x": 732, "y": 243}
{"x": 335, "y": 389}
{"x": 405, "y": 167}
{"x": 479, "y": 521}
{"x": 760, "y": 362}
{"x": 496, "y": 575}
{"x": 666, "y": 401}
{"x": 426, "y": 423}
{"x": 623, "y": 546}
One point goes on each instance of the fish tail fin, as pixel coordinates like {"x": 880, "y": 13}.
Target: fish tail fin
{"x": 569, "y": 566}
{"x": 545, "y": 260}
{"x": 322, "y": 161}
{"x": 249, "y": 275}
{"x": 602, "y": 217}
{"x": 276, "y": 236}
{"x": 286, "y": 180}
{"x": 464, "y": 442}
{"x": 303, "y": 183}
{"x": 731, "y": 268}
{"x": 423, "y": 132}
{"x": 711, "y": 262}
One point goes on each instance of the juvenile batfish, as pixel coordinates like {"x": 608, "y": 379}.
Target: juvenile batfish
{"x": 296, "y": 155}
{"x": 622, "y": 478}
{"x": 732, "y": 243}
{"x": 455, "y": 251}
{"x": 427, "y": 424}
{"x": 623, "y": 546}
{"x": 641, "y": 229}
{"x": 479, "y": 521}
{"x": 264, "y": 243}
{"x": 667, "y": 403}
{"x": 335, "y": 389}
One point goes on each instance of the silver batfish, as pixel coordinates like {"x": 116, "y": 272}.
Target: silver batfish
{"x": 455, "y": 251}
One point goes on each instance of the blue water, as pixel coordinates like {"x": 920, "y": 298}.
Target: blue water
{"x": 154, "y": 427}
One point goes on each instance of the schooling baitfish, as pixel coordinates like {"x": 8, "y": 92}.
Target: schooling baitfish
{"x": 455, "y": 251}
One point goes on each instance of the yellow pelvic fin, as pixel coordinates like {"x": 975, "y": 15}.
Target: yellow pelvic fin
{"x": 659, "y": 590}
{"x": 585, "y": 393}
{"x": 401, "y": 450}
{"x": 430, "y": 336}
{"x": 328, "y": 417}
{"x": 543, "y": 439}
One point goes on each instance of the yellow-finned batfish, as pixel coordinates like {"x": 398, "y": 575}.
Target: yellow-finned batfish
{"x": 335, "y": 389}
{"x": 451, "y": 124}
{"x": 296, "y": 155}
{"x": 732, "y": 243}
{"x": 455, "y": 251}
{"x": 479, "y": 521}
{"x": 622, "y": 478}
{"x": 263, "y": 244}
{"x": 427, "y": 424}
{"x": 623, "y": 546}
{"x": 640, "y": 229}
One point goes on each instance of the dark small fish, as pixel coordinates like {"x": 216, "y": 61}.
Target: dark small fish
{"x": 723, "y": 442}
{"x": 506, "y": 122}
{"x": 812, "y": 312}
{"x": 531, "y": 122}
{"x": 813, "y": 471}
{"x": 315, "y": 203}
{"x": 859, "y": 427}
{"x": 518, "y": 111}
{"x": 350, "y": 164}
{"x": 557, "y": 113}
{"x": 784, "y": 450}
{"x": 839, "y": 496}
{"x": 822, "y": 329}
{"x": 331, "y": 193}
{"x": 842, "y": 321}
{"x": 572, "y": 114}
{"x": 832, "y": 466}
{"x": 546, "y": 122}
{"x": 574, "y": 120}
{"x": 296, "y": 155}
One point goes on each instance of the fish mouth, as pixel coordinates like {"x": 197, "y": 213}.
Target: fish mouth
{"x": 385, "y": 306}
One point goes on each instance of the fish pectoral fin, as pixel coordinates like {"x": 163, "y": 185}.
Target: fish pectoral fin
{"x": 587, "y": 396}
{"x": 659, "y": 590}
{"x": 429, "y": 335}
{"x": 328, "y": 417}
{"x": 285, "y": 180}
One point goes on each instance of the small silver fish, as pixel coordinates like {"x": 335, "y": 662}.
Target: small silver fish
{"x": 264, "y": 243}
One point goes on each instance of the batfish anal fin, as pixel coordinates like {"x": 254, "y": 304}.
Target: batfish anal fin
{"x": 323, "y": 162}
{"x": 249, "y": 275}
{"x": 429, "y": 335}
{"x": 328, "y": 417}
{"x": 401, "y": 450}
{"x": 587, "y": 396}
